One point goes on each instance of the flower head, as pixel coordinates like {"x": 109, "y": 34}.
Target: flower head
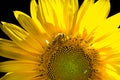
{"x": 61, "y": 41}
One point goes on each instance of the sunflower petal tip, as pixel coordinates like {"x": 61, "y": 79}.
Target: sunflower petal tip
{"x": 0, "y": 39}
{"x": 32, "y": 0}
{"x": 16, "y": 13}
{"x": 2, "y": 22}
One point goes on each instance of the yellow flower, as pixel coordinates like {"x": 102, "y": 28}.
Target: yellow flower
{"x": 61, "y": 41}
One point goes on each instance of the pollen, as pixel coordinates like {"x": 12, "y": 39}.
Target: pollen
{"x": 70, "y": 59}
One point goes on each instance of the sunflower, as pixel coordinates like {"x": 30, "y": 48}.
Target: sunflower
{"x": 61, "y": 41}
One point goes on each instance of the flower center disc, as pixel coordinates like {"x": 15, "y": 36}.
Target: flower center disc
{"x": 67, "y": 60}
{"x": 69, "y": 64}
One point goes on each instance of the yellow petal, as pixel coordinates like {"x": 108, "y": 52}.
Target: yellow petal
{"x": 48, "y": 20}
{"x": 18, "y": 66}
{"x": 58, "y": 13}
{"x": 117, "y": 68}
{"x": 34, "y": 14}
{"x": 34, "y": 30}
{"x": 93, "y": 19}
{"x": 21, "y": 37}
{"x": 83, "y": 9}
{"x": 70, "y": 11}
{"x": 46, "y": 15}
{"x": 112, "y": 74}
{"x": 19, "y": 76}
{"x": 9, "y": 49}
{"x": 52, "y": 12}
{"x": 109, "y": 26}
{"x": 33, "y": 9}
{"x": 111, "y": 57}
{"x": 112, "y": 41}
{"x": 27, "y": 18}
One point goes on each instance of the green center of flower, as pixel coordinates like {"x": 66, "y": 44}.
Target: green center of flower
{"x": 69, "y": 64}
{"x": 70, "y": 60}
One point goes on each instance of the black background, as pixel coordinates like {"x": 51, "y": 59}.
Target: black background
{"x": 8, "y": 6}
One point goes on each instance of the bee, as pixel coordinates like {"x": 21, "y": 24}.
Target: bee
{"x": 58, "y": 38}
